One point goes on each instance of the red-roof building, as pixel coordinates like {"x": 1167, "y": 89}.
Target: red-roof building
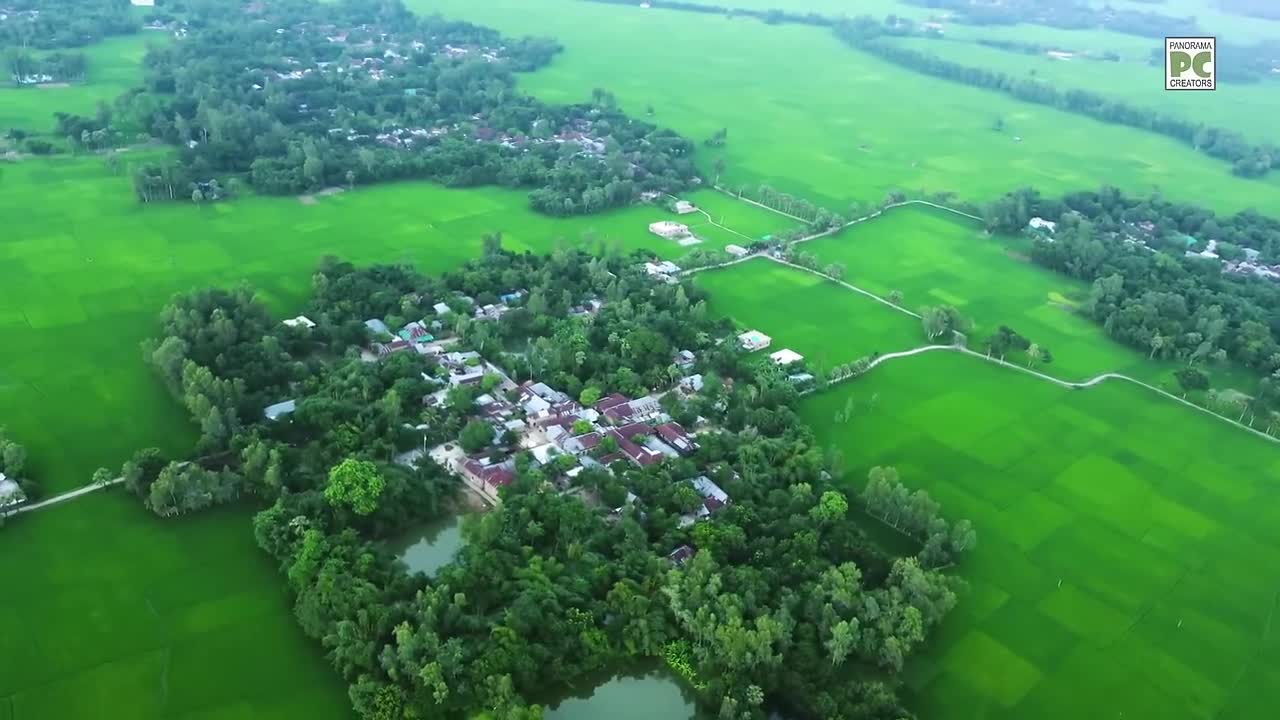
{"x": 675, "y": 436}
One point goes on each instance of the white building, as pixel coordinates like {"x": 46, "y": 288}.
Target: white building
{"x": 736, "y": 250}
{"x": 1039, "y": 223}
{"x": 684, "y": 207}
{"x": 753, "y": 340}
{"x": 280, "y": 409}
{"x": 669, "y": 230}
{"x": 143, "y": 3}
{"x": 441, "y": 308}
{"x": 300, "y": 321}
{"x": 786, "y": 357}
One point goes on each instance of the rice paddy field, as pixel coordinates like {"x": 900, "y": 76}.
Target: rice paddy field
{"x": 114, "y": 66}
{"x": 1249, "y": 109}
{"x": 823, "y": 321}
{"x": 85, "y": 272}
{"x": 935, "y": 257}
{"x": 1128, "y": 553}
{"x": 810, "y": 116}
{"x": 112, "y": 613}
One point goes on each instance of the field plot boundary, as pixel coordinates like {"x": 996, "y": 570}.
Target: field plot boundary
{"x": 1069, "y": 384}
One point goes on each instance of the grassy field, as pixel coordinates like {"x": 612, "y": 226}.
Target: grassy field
{"x": 797, "y": 309}
{"x": 110, "y": 612}
{"x": 84, "y": 273}
{"x": 812, "y": 117}
{"x": 1123, "y": 569}
{"x": 934, "y": 257}
{"x": 1248, "y": 109}
{"x": 114, "y": 67}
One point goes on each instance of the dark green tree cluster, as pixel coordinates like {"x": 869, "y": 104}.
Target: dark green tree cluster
{"x": 26, "y": 67}
{"x": 13, "y": 464}
{"x": 1145, "y": 292}
{"x": 916, "y": 514}
{"x": 49, "y": 24}
{"x": 1067, "y": 15}
{"x": 353, "y": 92}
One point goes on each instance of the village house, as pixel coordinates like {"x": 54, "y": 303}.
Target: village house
{"x": 691, "y": 384}
{"x": 11, "y": 494}
{"x": 786, "y": 357}
{"x": 1210, "y": 251}
{"x": 665, "y": 269}
{"x": 301, "y": 321}
{"x": 489, "y": 477}
{"x": 377, "y": 327}
{"x": 675, "y": 436}
{"x": 638, "y": 454}
{"x": 713, "y": 499}
{"x": 1039, "y": 223}
{"x": 669, "y": 230}
{"x": 737, "y": 250}
{"x": 684, "y": 553}
{"x": 684, "y": 207}
{"x": 279, "y": 410}
{"x": 618, "y": 410}
{"x": 753, "y": 340}
{"x": 684, "y": 359}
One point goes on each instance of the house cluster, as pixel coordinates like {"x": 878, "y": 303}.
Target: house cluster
{"x": 665, "y": 270}
{"x": 415, "y": 336}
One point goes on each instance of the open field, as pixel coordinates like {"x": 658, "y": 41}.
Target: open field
{"x": 814, "y": 118}
{"x": 934, "y": 257}
{"x": 1128, "y": 553}
{"x": 826, "y": 323}
{"x": 110, "y": 612}
{"x": 114, "y": 67}
{"x": 1249, "y": 109}
{"x": 86, "y": 269}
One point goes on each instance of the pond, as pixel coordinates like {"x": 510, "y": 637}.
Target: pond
{"x": 653, "y": 695}
{"x": 430, "y": 546}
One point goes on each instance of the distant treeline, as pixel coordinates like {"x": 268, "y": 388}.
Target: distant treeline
{"x": 1065, "y": 14}
{"x": 24, "y": 67}
{"x": 867, "y": 34}
{"x": 1247, "y": 159}
{"x": 48, "y": 24}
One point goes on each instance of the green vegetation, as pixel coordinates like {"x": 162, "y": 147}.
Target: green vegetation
{"x": 789, "y": 128}
{"x": 87, "y": 267}
{"x": 114, "y": 66}
{"x": 111, "y": 612}
{"x": 797, "y": 310}
{"x": 1126, "y": 565}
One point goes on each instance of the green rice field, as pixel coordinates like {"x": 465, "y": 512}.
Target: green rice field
{"x": 84, "y": 275}
{"x": 810, "y": 116}
{"x": 112, "y": 613}
{"x": 934, "y": 257}
{"x": 1128, "y": 554}
{"x": 114, "y": 66}
{"x": 1250, "y": 109}
{"x": 826, "y": 323}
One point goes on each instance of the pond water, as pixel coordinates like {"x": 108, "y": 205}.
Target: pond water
{"x": 431, "y": 546}
{"x": 641, "y": 696}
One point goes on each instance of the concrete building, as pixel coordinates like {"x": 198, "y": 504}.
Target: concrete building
{"x": 785, "y": 357}
{"x": 753, "y": 340}
{"x": 669, "y": 230}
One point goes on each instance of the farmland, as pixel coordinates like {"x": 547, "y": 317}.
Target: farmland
{"x": 111, "y": 612}
{"x": 85, "y": 273}
{"x": 827, "y": 123}
{"x": 796, "y": 309}
{"x": 1122, "y": 567}
{"x": 934, "y": 257}
{"x": 113, "y": 67}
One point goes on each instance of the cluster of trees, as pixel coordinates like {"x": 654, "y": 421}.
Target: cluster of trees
{"x": 1247, "y": 159}
{"x": 1005, "y": 340}
{"x": 13, "y": 464}
{"x": 916, "y": 514}
{"x": 1145, "y": 293}
{"x": 22, "y": 65}
{"x": 1028, "y": 48}
{"x": 50, "y": 24}
{"x": 943, "y": 323}
{"x": 819, "y": 217}
{"x": 294, "y": 111}
{"x": 786, "y": 605}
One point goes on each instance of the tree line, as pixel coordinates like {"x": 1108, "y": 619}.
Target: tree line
{"x": 51, "y": 24}
{"x": 1247, "y": 159}
{"x": 1145, "y": 293}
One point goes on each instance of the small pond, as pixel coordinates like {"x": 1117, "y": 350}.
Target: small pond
{"x": 430, "y": 546}
{"x": 653, "y": 695}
